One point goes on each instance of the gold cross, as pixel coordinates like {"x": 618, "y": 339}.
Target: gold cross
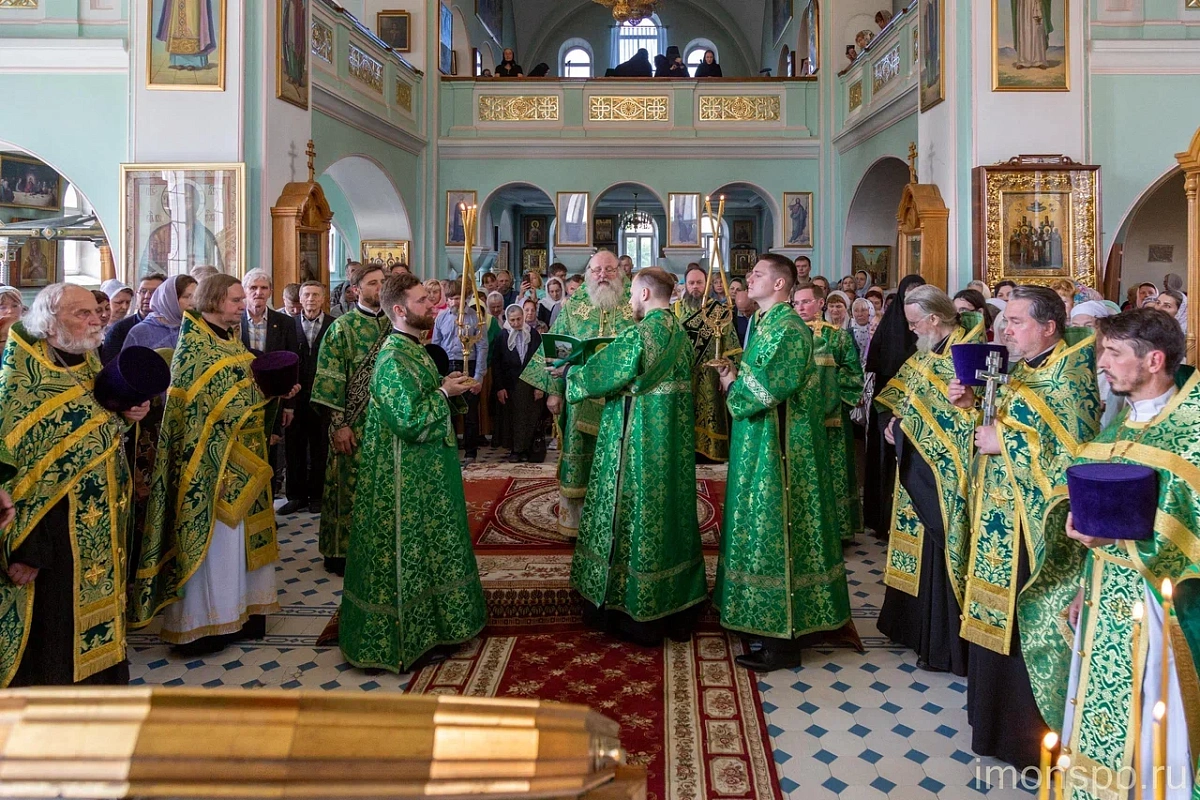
{"x": 311, "y": 152}
{"x": 92, "y": 515}
{"x": 912, "y": 162}
{"x": 993, "y": 558}
{"x": 997, "y": 497}
{"x": 94, "y": 574}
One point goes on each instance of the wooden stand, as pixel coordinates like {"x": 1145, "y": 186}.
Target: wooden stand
{"x": 923, "y": 228}
{"x": 1190, "y": 161}
{"x": 300, "y": 223}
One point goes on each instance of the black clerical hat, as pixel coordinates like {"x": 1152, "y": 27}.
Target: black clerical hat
{"x": 1113, "y": 501}
{"x": 136, "y": 375}
{"x": 276, "y": 372}
{"x": 970, "y": 358}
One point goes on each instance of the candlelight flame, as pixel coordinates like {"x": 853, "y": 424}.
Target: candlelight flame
{"x": 1050, "y": 740}
{"x": 1139, "y": 611}
{"x": 1064, "y": 762}
{"x": 1167, "y": 590}
{"x": 1160, "y": 711}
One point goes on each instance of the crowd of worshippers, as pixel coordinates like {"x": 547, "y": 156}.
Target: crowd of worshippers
{"x": 143, "y": 427}
{"x": 639, "y": 65}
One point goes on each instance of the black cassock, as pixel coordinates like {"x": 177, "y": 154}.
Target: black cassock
{"x": 521, "y": 418}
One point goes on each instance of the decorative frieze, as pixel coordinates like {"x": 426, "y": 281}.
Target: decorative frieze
{"x": 366, "y": 69}
{"x": 18, "y": 3}
{"x": 855, "y": 95}
{"x": 618, "y": 108}
{"x": 403, "y": 95}
{"x": 886, "y": 69}
{"x": 322, "y": 41}
{"x": 518, "y": 108}
{"x": 739, "y": 108}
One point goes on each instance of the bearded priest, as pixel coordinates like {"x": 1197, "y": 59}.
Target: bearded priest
{"x": 412, "y": 592}
{"x": 930, "y": 536}
{"x": 599, "y": 308}
{"x": 780, "y": 575}
{"x": 694, "y": 310}
{"x": 638, "y": 559}
{"x": 1023, "y": 570}
{"x": 62, "y": 584}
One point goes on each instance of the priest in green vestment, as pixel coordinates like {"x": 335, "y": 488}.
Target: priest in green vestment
{"x": 638, "y": 558}
{"x": 598, "y": 308}
{"x": 1023, "y": 570}
{"x": 345, "y": 364}
{"x": 209, "y": 549}
{"x": 412, "y": 591}
{"x": 930, "y": 534}
{"x": 1140, "y": 353}
{"x": 702, "y": 317}
{"x": 66, "y": 502}
{"x": 840, "y": 370}
{"x": 780, "y": 575}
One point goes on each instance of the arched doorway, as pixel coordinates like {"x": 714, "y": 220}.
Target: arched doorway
{"x": 751, "y": 217}
{"x": 378, "y": 211}
{"x": 516, "y": 229}
{"x": 642, "y": 242}
{"x": 871, "y": 222}
{"x": 1152, "y": 239}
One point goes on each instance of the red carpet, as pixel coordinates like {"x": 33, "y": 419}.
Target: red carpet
{"x": 517, "y": 514}
{"x": 686, "y": 711}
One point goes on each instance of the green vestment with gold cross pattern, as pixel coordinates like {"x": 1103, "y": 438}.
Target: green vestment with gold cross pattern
{"x": 1043, "y": 416}
{"x": 781, "y": 572}
{"x": 841, "y": 373}
{"x": 639, "y": 540}
{"x": 412, "y": 583}
{"x": 345, "y": 364}
{"x": 211, "y": 465}
{"x": 712, "y": 416}
{"x": 579, "y": 423}
{"x": 944, "y": 436}
{"x": 64, "y": 446}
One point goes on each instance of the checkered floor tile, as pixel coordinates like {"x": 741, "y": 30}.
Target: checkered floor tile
{"x": 843, "y": 725}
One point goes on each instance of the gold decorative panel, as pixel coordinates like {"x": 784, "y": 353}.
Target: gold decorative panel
{"x": 518, "y": 108}
{"x": 1193, "y": 3}
{"x": 886, "y": 69}
{"x": 615, "y": 108}
{"x": 322, "y": 41}
{"x": 366, "y": 69}
{"x": 404, "y": 95}
{"x": 739, "y": 108}
{"x": 18, "y": 3}
{"x": 855, "y": 95}
{"x": 916, "y": 53}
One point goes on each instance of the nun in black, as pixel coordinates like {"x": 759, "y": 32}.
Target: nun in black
{"x": 522, "y": 407}
{"x": 508, "y": 67}
{"x": 890, "y": 347}
{"x": 638, "y": 66}
{"x": 709, "y": 68}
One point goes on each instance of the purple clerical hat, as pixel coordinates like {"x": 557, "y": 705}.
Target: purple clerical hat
{"x": 276, "y": 372}
{"x": 970, "y": 358}
{"x": 1113, "y": 501}
{"x": 133, "y": 377}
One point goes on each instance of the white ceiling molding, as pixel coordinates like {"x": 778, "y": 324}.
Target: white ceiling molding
{"x": 739, "y": 149}
{"x": 63, "y": 56}
{"x": 1145, "y": 57}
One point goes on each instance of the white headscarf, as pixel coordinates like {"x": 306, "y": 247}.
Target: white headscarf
{"x": 862, "y": 333}
{"x": 546, "y": 302}
{"x": 113, "y": 287}
{"x": 1091, "y": 308}
{"x": 845, "y": 301}
{"x": 517, "y": 339}
{"x": 863, "y": 291}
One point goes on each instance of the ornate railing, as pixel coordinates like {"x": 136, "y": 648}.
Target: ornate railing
{"x": 883, "y": 73}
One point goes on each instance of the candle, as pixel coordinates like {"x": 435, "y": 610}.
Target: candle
{"x": 1135, "y": 700}
{"x": 1049, "y": 741}
{"x": 1064, "y": 764}
{"x": 1168, "y": 592}
{"x": 1160, "y": 750}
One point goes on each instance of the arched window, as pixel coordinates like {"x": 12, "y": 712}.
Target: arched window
{"x": 80, "y": 260}
{"x": 646, "y": 34}
{"x": 640, "y": 243}
{"x": 575, "y": 59}
{"x": 694, "y": 53}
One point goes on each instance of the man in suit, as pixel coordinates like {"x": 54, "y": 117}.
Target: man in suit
{"x": 265, "y": 330}
{"x": 115, "y": 340}
{"x": 306, "y": 439}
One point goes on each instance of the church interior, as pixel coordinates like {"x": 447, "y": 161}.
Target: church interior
{"x": 894, "y": 136}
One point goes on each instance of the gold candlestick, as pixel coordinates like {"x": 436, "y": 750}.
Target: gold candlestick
{"x": 1160, "y": 750}
{"x": 1049, "y": 742}
{"x": 1135, "y": 701}
{"x": 1168, "y": 593}
{"x": 465, "y": 337}
{"x": 719, "y": 323}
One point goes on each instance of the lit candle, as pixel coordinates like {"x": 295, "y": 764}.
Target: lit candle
{"x": 1049, "y": 741}
{"x": 1064, "y": 764}
{"x": 1135, "y": 700}
{"x": 1160, "y": 750}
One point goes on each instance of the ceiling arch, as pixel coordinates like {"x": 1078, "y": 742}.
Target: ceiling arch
{"x": 378, "y": 209}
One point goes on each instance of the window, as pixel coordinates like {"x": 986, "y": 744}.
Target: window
{"x": 641, "y": 244}
{"x": 646, "y": 34}
{"x": 577, "y": 63}
{"x": 709, "y": 242}
{"x": 478, "y": 62}
{"x": 694, "y": 53}
{"x": 80, "y": 259}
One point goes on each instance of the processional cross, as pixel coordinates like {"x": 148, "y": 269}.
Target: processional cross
{"x": 912, "y": 162}
{"x": 994, "y": 378}
{"x": 311, "y": 152}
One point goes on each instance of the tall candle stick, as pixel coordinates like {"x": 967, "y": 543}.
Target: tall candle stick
{"x": 1168, "y": 593}
{"x": 1135, "y": 700}
{"x": 1160, "y": 750}
{"x": 1064, "y": 764}
{"x": 1049, "y": 741}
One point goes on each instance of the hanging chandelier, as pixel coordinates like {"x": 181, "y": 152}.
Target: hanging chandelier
{"x": 631, "y": 11}
{"x": 636, "y": 219}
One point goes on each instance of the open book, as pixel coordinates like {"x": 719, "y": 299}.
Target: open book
{"x": 561, "y": 349}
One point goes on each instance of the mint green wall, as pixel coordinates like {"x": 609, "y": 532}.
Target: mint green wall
{"x": 99, "y": 103}
{"x": 343, "y": 218}
{"x": 252, "y": 137}
{"x": 1135, "y": 136}
{"x": 1155, "y": 11}
{"x": 770, "y": 50}
{"x": 61, "y": 20}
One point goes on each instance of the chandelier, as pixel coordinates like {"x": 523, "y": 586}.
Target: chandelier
{"x": 631, "y": 11}
{"x": 636, "y": 219}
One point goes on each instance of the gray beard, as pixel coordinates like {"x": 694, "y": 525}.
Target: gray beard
{"x": 691, "y": 301}
{"x": 607, "y": 297}
{"x": 925, "y": 344}
{"x": 79, "y": 346}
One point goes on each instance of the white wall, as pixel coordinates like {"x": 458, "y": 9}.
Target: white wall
{"x": 937, "y": 145}
{"x": 1162, "y": 219}
{"x": 417, "y": 21}
{"x": 872, "y": 217}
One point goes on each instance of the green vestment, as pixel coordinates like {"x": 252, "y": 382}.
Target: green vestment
{"x": 344, "y": 368}
{"x": 712, "y": 416}
{"x": 1116, "y": 577}
{"x": 944, "y": 436}
{"x": 781, "y": 572}
{"x": 639, "y": 541}
{"x": 411, "y": 579}
{"x": 841, "y": 375}
{"x": 580, "y": 422}
{"x": 211, "y": 464}
{"x": 64, "y": 446}
{"x": 1043, "y": 416}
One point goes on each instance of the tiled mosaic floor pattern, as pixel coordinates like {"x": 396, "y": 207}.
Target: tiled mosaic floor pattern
{"x": 844, "y": 725}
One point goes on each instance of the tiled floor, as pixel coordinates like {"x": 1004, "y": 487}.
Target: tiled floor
{"x": 844, "y": 725}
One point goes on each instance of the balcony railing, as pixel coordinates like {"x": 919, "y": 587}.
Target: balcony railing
{"x": 883, "y": 74}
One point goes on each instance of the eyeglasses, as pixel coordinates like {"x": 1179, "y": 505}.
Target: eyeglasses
{"x": 604, "y": 270}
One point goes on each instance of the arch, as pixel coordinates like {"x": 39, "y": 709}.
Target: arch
{"x": 14, "y": 147}
{"x": 379, "y": 210}
{"x": 784, "y": 57}
{"x": 700, "y": 44}
{"x": 618, "y": 57}
{"x": 640, "y": 187}
{"x": 487, "y": 56}
{"x": 462, "y": 41}
{"x": 574, "y": 43}
{"x": 773, "y": 221}
{"x": 497, "y": 211}
{"x": 871, "y": 217}
{"x": 1156, "y": 201}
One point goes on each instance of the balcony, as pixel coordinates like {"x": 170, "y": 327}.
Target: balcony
{"x": 881, "y": 86}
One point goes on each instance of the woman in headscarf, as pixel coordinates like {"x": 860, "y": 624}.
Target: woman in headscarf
{"x": 11, "y": 309}
{"x": 523, "y": 408}
{"x": 890, "y": 347}
{"x": 875, "y": 296}
{"x": 638, "y": 66}
{"x": 972, "y": 300}
{"x": 508, "y": 66}
{"x": 862, "y": 282}
{"x": 489, "y": 410}
{"x": 549, "y": 305}
{"x": 862, "y": 325}
{"x": 709, "y": 68}
{"x": 167, "y": 304}
{"x": 119, "y": 298}
{"x": 837, "y": 309}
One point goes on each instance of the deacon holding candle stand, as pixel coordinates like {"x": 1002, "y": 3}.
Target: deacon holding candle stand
{"x": 1023, "y": 570}
{"x": 1135, "y": 504}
